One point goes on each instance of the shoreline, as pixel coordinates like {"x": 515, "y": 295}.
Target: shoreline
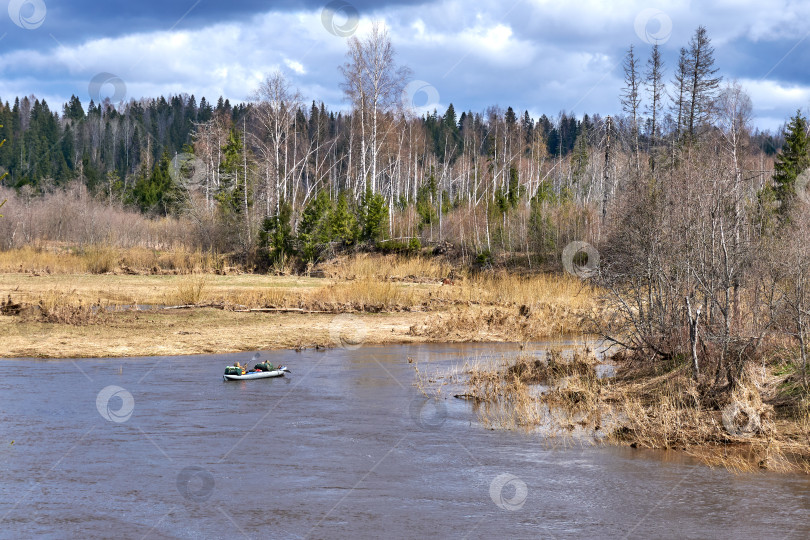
{"x": 209, "y": 330}
{"x": 375, "y": 300}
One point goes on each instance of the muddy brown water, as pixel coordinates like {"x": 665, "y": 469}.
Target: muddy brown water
{"x": 344, "y": 447}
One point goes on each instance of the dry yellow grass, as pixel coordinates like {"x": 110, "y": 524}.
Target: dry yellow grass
{"x": 384, "y": 267}
{"x": 190, "y": 290}
{"x": 60, "y": 259}
{"x": 149, "y": 289}
{"x": 555, "y": 393}
{"x": 197, "y": 331}
{"x": 637, "y": 409}
{"x": 503, "y": 288}
{"x": 69, "y": 282}
{"x": 368, "y": 292}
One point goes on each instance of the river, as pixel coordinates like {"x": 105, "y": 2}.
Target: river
{"x": 345, "y": 446}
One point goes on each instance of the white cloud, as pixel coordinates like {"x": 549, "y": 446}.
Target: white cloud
{"x": 297, "y": 67}
{"x": 541, "y": 55}
{"x": 769, "y": 96}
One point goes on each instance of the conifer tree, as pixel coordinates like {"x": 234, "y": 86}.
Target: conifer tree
{"x": 793, "y": 160}
{"x": 343, "y": 224}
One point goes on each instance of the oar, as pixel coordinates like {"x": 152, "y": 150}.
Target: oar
{"x": 284, "y": 368}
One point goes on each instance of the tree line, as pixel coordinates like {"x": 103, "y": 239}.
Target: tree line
{"x": 491, "y": 181}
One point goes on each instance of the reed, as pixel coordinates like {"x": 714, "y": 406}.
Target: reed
{"x": 386, "y": 267}
{"x": 54, "y": 258}
{"x": 190, "y": 290}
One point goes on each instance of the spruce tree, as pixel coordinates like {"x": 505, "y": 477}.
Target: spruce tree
{"x": 791, "y": 162}
{"x": 157, "y": 192}
{"x": 702, "y": 83}
{"x": 276, "y": 238}
{"x": 314, "y": 227}
{"x": 342, "y": 223}
{"x": 373, "y": 216}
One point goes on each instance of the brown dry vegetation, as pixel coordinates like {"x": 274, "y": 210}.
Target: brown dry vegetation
{"x": 746, "y": 430}
{"x": 61, "y": 293}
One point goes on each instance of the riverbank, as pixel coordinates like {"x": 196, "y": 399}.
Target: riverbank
{"x": 761, "y": 424}
{"x": 54, "y": 311}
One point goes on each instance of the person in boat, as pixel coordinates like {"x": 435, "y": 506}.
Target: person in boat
{"x": 240, "y": 368}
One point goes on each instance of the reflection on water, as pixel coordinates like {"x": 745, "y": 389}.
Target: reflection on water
{"x": 345, "y": 446}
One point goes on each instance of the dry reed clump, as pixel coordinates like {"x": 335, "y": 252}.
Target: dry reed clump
{"x": 670, "y": 417}
{"x": 502, "y": 306}
{"x": 364, "y": 266}
{"x": 555, "y": 392}
{"x": 270, "y": 297}
{"x": 65, "y": 308}
{"x": 482, "y": 323}
{"x": 535, "y": 292}
{"x": 366, "y": 293}
{"x": 503, "y": 400}
{"x": 735, "y": 430}
{"x": 35, "y": 259}
{"x": 554, "y": 367}
{"x": 55, "y": 258}
{"x": 181, "y": 261}
{"x": 563, "y": 394}
{"x": 189, "y": 291}
{"x": 99, "y": 259}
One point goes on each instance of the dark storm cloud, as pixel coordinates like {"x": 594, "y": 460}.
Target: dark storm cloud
{"x": 528, "y": 54}
{"x": 77, "y": 21}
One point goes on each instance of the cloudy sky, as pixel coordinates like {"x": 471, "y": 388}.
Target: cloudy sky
{"x": 543, "y": 56}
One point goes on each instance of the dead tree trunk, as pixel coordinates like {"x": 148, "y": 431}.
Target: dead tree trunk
{"x": 693, "y": 327}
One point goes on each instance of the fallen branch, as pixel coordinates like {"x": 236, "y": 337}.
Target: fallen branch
{"x": 191, "y": 306}
{"x": 278, "y": 310}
